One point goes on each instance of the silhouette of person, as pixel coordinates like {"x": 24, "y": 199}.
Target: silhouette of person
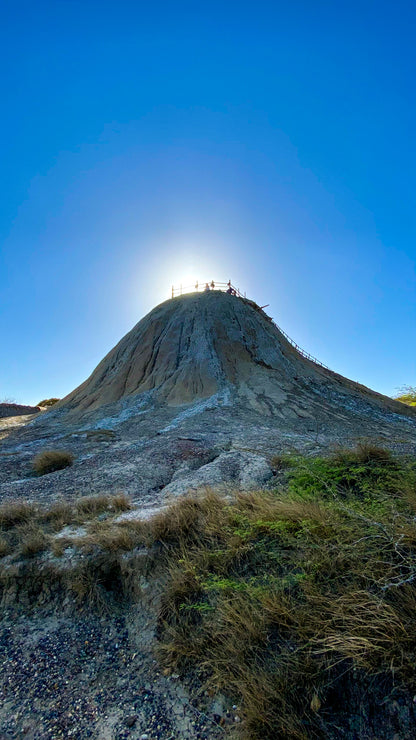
{"x": 206, "y": 286}
{"x": 212, "y": 285}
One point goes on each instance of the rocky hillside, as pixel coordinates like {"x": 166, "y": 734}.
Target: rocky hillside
{"x": 16, "y": 409}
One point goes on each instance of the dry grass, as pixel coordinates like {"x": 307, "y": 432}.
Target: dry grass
{"x": 32, "y": 540}
{"x": 89, "y": 506}
{"x": 27, "y": 528}
{"x": 85, "y": 584}
{"x": 280, "y": 462}
{"x": 115, "y": 538}
{"x": 4, "y": 547}
{"x": 15, "y": 512}
{"x": 58, "y": 515}
{"x": 50, "y": 461}
{"x": 279, "y": 598}
{"x": 364, "y": 452}
{"x": 93, "y": 505}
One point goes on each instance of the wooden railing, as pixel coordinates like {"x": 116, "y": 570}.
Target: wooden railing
{"x": 230, "y": 288}
{"x": 299, "y": 349}
{"x": 206, "y": 286}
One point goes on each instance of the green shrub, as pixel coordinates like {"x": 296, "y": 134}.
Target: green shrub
{"x": 50, "y": 460}
{"x": 48, "y": 402}
{"x": 407, "y": 395}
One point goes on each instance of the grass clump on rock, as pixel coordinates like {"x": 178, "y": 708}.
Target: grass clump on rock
{"x": 49, "y": 461}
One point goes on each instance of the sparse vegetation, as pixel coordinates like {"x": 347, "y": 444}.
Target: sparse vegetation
{"x": 407, "y": 395}
{"x": 89, "y": 506}
{"x": 282, "y": 599}
{"x": 49, "y": 461}
{"x": 26, "y": 528}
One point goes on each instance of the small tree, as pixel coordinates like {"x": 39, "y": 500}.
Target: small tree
{"x": 407, "y": 394}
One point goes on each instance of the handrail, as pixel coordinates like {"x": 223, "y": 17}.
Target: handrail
{"x": 226, "y": 287}
{"x": 301, "y": 351}
{"x": 201, "y": 287}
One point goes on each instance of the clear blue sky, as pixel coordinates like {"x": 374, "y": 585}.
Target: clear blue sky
{"x": 269, "y": 142}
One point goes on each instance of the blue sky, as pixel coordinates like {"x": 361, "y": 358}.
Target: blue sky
{"x": 146, "y": 143}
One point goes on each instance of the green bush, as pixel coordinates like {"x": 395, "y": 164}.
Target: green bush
{"x": 407, "y": 394}
{"x": 48, "y": 402}
{"x": 50, "y": 460}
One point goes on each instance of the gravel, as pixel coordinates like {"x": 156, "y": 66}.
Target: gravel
{"x": 90, "y": 677}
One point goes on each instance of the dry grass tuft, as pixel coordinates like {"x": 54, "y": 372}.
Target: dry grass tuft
{"x": 280, "y": 462}
{"x": 115, "y": 538}
{"x": 58, "y": 515}
{"x": 49, "y": 461}
{"x": 15, "y": 512}
{"x": 364, "y": 452}
{"x": 87, "y": 587}
{"x": 92, "y": 505}
{"x": 27, "y": 528}
{"x": 31, "y": 539}
{"x": 4, "y": 547}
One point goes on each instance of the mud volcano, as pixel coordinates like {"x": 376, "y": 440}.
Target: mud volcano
{"x": 215, "y": 345}
{"x": 203, "y": 390}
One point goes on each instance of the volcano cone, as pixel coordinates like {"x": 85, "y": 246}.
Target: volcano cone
{"x": 204, "y": 345}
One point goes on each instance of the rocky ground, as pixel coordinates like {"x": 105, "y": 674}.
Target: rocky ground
{"x": 79, "y": 675}
{"x": 161, "y": 453}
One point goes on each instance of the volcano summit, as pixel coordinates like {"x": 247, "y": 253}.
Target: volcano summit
{"x": 203, "y": 390}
